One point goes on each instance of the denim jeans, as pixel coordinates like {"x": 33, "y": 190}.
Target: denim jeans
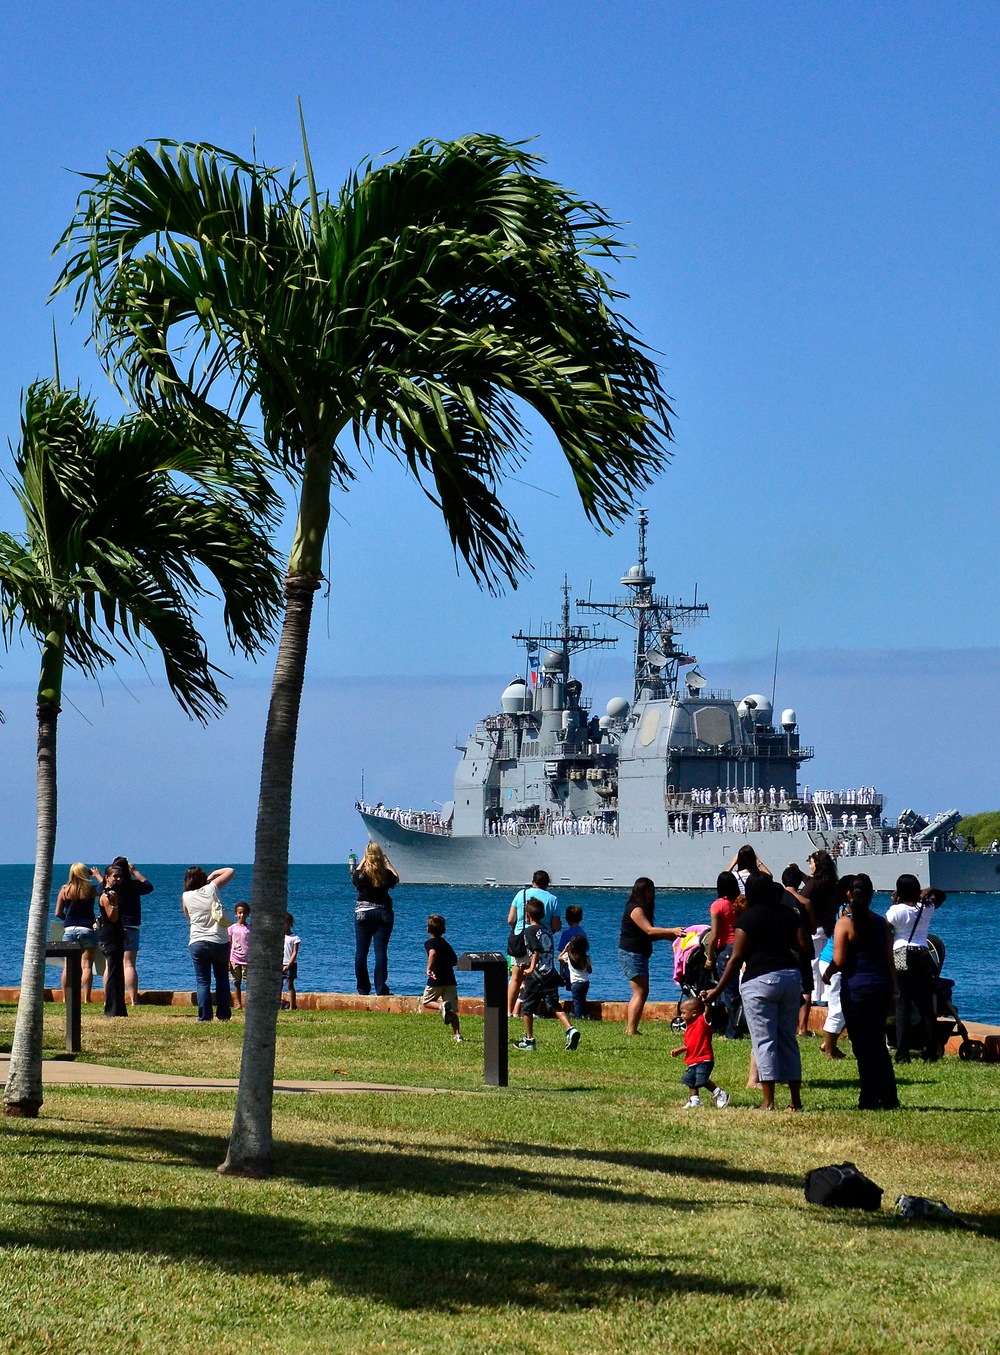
{"x": 208, "y": 958}
{"x": 372, "y": 925}
{"x": 771, "y": 1007}
{"x": 730, "y": 994}
{"x": 579, "y": 991}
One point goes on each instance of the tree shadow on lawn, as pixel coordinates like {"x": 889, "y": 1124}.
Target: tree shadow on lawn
{"x": 397, "y": 1266}
{"x": 445, "y": 1170}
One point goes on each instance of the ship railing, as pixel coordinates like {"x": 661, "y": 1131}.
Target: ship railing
{"x": 416, "y": 820}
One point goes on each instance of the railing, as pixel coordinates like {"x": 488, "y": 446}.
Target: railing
{"x": 416, "y": 820}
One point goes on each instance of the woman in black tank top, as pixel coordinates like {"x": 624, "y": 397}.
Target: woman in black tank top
{"x": 635, "y": 946}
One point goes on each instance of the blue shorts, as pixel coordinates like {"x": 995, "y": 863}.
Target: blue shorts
{"x": 697, "y": 1075}
{"x": 132, "y": 938}
{"x": 74, "y": 935}
{"x": 634, "y": 966}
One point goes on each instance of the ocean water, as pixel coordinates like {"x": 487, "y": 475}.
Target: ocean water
{"x": 322, "y": 900}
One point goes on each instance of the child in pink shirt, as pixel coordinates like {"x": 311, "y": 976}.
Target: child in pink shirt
{"x": 239, "y": 941}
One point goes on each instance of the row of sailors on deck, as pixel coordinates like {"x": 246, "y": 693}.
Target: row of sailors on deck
{"x": 749, "y": 795}
{"x": 589, "y": 823}
{"x": 863, "y": 795}
{"x": 426, "y": 821}
{"x": 851, "y": 820}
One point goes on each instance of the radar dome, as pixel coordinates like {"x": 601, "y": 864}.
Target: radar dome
{"x": 552, "y": 661}
{"x": 604, "y": 722}
{"x": 617, "y": 708}
{"x": 515, "y": 697}
{"x": 758, "y": 707}
{"x": 634, "y": 573}
{"x": 788, "y": 720}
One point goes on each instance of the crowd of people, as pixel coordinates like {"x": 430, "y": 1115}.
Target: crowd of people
{"x": 101, "y": 912}
{"x": 770, "y": 951}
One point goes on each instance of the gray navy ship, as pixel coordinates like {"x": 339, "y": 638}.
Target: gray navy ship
{"x": 669, "y": 783}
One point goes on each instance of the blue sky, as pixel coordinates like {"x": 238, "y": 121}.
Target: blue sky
{"x": 811, "y": 191}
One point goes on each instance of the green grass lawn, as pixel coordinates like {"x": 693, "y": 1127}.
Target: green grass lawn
{"x": 579, "y": 1210}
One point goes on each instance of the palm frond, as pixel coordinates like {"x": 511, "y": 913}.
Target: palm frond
{"x": 124, "y": 523}
{"x": 424, "y": 308}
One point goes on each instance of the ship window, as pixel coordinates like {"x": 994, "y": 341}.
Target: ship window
{"x": 649, "y": 727}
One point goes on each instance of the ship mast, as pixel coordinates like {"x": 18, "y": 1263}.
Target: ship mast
{"x": 656, "y": 621}
{"x": 567, "y": 640}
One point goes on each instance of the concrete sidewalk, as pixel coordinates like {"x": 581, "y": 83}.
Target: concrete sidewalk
{"x": 71, "y": 1072}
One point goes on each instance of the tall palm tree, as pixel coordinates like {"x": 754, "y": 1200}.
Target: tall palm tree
{"x": 422, "y": 309}
{"x": 122, "y": 523}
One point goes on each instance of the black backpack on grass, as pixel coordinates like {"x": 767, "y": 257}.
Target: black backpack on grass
{"x": 842, "y": 1187}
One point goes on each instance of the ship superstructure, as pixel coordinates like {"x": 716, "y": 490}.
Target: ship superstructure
{"x": 668, "y": 783}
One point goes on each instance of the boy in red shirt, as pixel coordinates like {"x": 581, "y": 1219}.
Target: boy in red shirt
{"x": 697, "y": 1051}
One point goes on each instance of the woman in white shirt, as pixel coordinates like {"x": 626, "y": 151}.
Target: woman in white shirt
{"x": 209, "y": 939}
{"x": 910, "y": 918}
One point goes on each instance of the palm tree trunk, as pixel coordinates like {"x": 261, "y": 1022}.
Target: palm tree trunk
{"x": 250, "y": 1146}
{"x": 23, "y": 1093}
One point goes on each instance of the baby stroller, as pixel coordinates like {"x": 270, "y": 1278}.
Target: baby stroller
{"x": 693, "y": 973}
{"x": 949, "y": 1021}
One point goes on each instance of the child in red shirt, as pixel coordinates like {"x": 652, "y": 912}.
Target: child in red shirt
{"x": 697, "y": 1051}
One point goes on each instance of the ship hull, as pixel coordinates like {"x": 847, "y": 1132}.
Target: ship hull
{"x": 673, "y": 860}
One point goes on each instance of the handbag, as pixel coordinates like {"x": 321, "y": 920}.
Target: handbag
{"x": 842, "y": 1187}
{"x": 218, "y": 913}
{"x": 901, "y": 954}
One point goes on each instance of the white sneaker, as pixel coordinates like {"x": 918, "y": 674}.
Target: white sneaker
{"x": 692, "y": 1103}
{"x": 458, "y": 1039}
{"x": 720, "y": 1098}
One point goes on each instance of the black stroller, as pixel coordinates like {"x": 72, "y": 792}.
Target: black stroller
{"x": 948, "y": 1019}
{"x": 693, "y": 973}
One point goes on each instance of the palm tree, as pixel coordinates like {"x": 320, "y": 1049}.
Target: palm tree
{"x": 121, "y": 524}
{"x": 422, "y": 310}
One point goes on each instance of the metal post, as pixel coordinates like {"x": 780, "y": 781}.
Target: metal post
{"x": 74, "y": 968}
{"x": 493, "y": 965}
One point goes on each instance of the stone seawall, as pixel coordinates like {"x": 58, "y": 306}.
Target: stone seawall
{"x": 985, "y": 1039}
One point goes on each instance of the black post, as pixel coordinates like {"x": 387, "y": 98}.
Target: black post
{"x": 74, "y": 978}
{"x": 493, "y": 965}
{"x": 72, "y": 954}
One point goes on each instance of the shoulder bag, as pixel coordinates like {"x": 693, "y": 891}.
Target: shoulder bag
{"x": 901, "y": 954}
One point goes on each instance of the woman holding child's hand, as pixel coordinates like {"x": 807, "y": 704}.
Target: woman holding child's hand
{"x": 769, "y": 942}
{"x": 635, "y": 946}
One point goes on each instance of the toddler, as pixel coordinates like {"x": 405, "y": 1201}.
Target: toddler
{"x": 697, "y": 1051}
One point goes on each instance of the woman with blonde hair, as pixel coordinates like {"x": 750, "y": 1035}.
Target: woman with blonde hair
{"x": 373, "y": 878}
{"x": 75, "y": 907}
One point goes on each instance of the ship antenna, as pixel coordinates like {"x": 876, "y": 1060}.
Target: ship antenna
{"x": 774, "y": 680}
{"x": 643, "y": 521}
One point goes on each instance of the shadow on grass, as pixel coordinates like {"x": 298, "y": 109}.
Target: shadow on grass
{"x": 397, "y": 1266}
{"x": 447, "y": 1170}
